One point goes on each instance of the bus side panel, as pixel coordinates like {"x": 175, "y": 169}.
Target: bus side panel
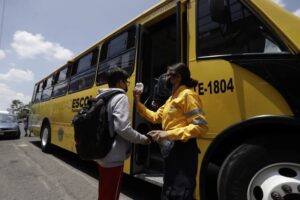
{"x": 232, "y": 91}
{"x": 61, "y": 123}
{"x": 127, "y": 164}
{"x": 64, "y": 109}
{"x": 35, "y": 119}
{"x": 231, "y": 94}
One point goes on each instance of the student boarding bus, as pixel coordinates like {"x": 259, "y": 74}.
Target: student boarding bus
{"x": 245, "y": 55}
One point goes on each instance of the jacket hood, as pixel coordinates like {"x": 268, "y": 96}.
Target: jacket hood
{"x": 106, "y": 91}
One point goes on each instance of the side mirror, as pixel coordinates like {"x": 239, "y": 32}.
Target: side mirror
{"x": 219, "y": 11}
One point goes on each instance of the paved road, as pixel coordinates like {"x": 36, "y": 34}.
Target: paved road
{"x": 28, "y": 174}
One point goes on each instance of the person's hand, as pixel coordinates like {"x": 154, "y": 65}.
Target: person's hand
{"x": 158, "y": 135}
{"x": 137, "y": 95}
{"x": 148, "y": 141}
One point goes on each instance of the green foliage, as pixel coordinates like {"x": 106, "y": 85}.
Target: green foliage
{"x": 22, "y": 114}
{"x": 18, "y": 107}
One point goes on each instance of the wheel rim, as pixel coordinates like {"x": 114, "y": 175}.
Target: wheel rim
{"x": 280, "y": 181}
{"x": 45, "y": 136}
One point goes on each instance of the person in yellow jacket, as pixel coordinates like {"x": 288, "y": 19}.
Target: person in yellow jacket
{"x": 182, "y": 118}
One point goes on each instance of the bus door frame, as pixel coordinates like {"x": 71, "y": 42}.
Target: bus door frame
{"x": 181, "y": 22}
{"x": 181, "y": 45}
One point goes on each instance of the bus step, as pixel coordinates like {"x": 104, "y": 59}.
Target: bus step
{"x": 154, "y": 179}
{"x": 156, "y": 163}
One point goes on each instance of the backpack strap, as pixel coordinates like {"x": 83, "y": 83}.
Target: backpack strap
{"x": 110, "y": 95}
{"x": 105, "y": 99}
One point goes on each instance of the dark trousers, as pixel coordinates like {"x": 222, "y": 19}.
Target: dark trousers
{"x": 180, "y": 171}
{"x": 109, "y": 182}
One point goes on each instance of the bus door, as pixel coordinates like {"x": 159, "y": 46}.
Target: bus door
{"x": 161, "y": 44}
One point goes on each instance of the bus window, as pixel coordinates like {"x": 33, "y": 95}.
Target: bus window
{"x": 118, "y": 52}
{"x": 47, "y": 92}
{"x": 83, "y": 72}
{"x": 240, "y": 33}
{"x": 34, "y": 93}
{"x": 39, "y": 92}
{"x": 61, "y": 83}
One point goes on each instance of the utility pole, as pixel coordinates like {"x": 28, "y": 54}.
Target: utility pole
{"x": 2, "y": 22}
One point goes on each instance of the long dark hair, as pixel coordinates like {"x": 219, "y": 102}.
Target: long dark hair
{"x": 183, "y": 70}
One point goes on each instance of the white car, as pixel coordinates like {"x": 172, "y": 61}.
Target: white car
{"x": 9, "y": 126}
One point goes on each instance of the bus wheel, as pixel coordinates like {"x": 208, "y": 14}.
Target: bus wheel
{"x": 45, "y": 139}
{"x": 260, "y": 172}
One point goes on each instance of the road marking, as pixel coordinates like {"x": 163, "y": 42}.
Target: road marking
{"x": 44, "y": 183}
{"x": 22, "y": 145}
{"x": 27, "y": 163}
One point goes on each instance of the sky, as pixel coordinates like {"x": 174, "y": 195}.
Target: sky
{"x": 39, "y": 36}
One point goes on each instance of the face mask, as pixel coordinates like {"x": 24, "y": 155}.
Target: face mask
{"x": 169, "y": 84}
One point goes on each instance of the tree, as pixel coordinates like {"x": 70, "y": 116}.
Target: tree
{"x": 16, "y": 105}
{"x": 24, "y": 111}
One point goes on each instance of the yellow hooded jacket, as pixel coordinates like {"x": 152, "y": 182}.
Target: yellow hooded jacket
{"x": 181, "y": 116}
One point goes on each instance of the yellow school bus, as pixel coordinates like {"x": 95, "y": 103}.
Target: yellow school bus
{"x": 245, "y": 55}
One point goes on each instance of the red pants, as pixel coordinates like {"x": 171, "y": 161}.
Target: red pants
{"x": 109, "y": 182}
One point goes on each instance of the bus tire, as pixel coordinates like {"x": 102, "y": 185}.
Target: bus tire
{"x": 253, "y": 172}
{"x": 46, "y": 139}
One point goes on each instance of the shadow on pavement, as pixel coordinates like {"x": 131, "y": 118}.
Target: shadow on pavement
{"x": 132, "y": 187}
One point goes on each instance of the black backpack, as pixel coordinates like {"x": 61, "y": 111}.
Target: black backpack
{"x": 92, "y": 137}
